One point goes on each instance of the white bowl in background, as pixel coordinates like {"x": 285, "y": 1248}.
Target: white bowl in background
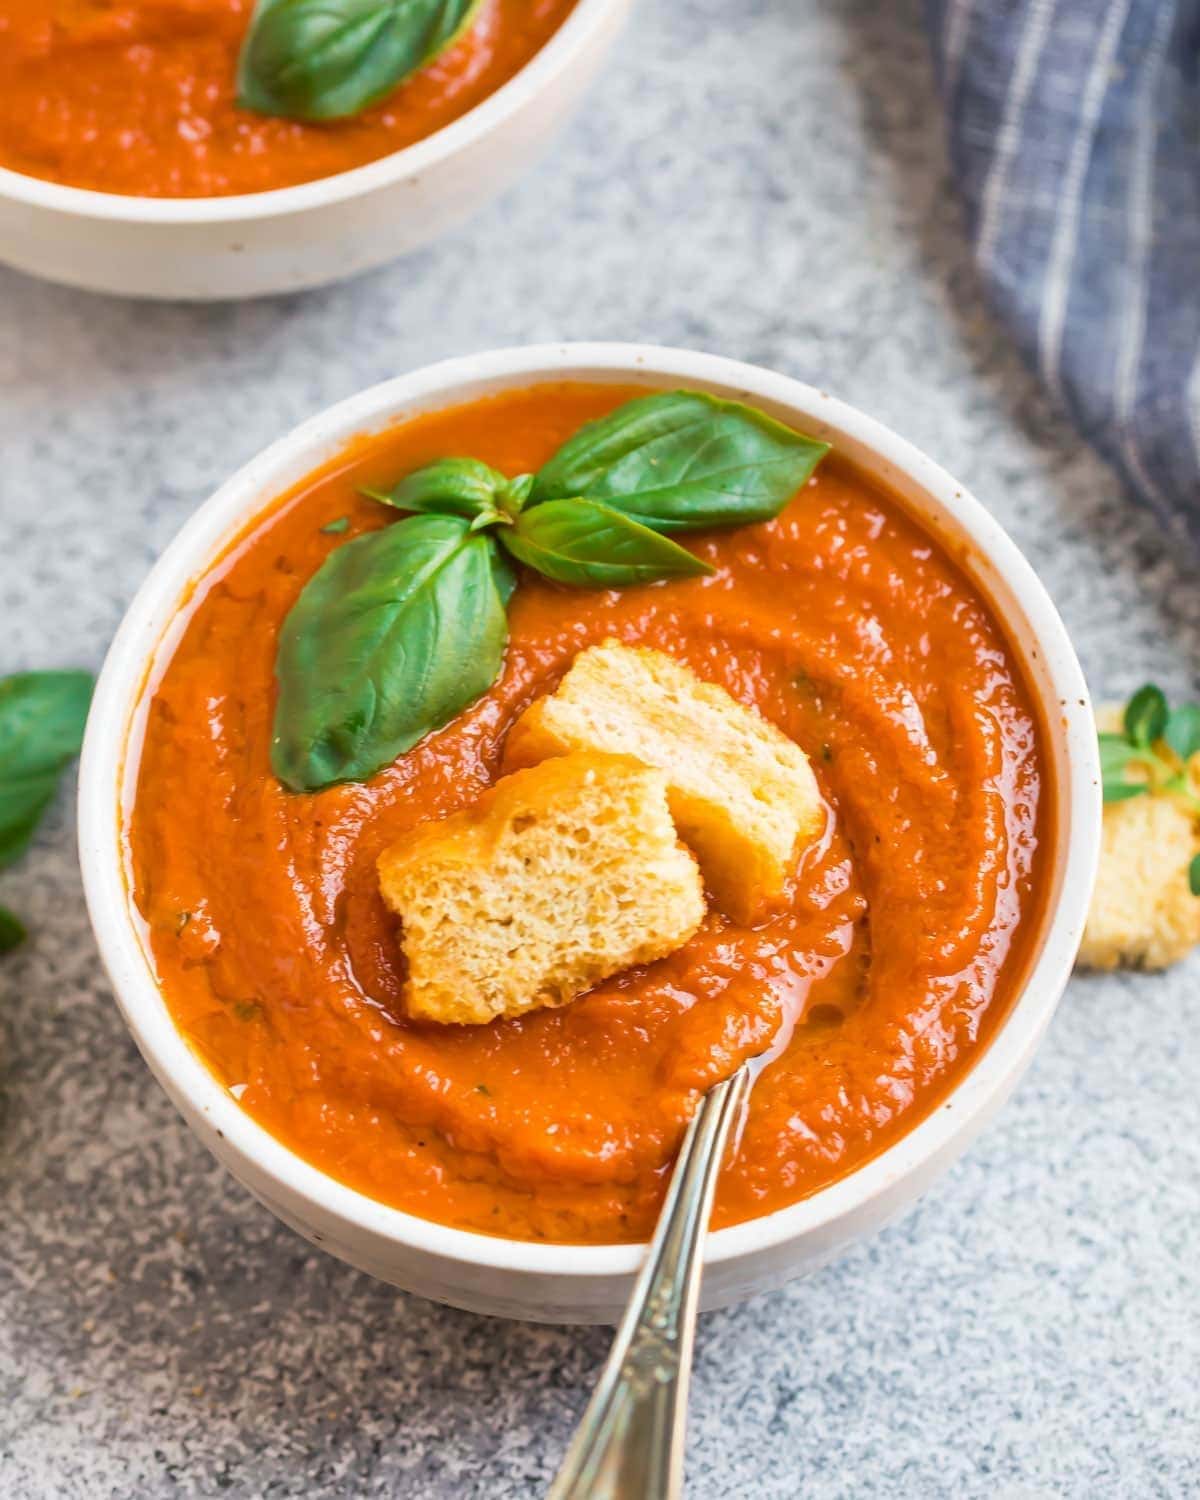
{"x": 572, "y": 1283}
{"x": 283, "y": 240}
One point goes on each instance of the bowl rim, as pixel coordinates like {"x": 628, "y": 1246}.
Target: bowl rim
{"x": 143, "y": 641}
{"x": 578, "y": 31}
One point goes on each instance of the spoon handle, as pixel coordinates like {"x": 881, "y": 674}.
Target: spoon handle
{"x": 629, "y": 1445}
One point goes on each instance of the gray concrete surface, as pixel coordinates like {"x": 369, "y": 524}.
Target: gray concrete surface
{"x": 767, "y": 180}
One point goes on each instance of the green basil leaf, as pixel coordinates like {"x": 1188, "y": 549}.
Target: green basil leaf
{"x": 683, "y": 461}
{"x": 1194, "y": 876}
{"x": 42, "y": 715}
{"x": 1117, "y": 757}
{"x": 12, "y": 931}
{"x": 326, "y": 59}
{"x": 396, "y": 633}
{"x": 1120, "y": 791}
{"x": 487, "y": 518}
{"x": 1182, "y": 730}
{"x": 590, "y": 545}
{"x": 1146, "y": 716}
{"x": 1116, "y": 753}
{"x": 505, "y": 575}
{"x": 517, "y": 493}
{"x": 23, "y": 801}
{"x": 450, "y": 487}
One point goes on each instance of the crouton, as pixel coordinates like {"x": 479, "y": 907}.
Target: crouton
{"x": 558, "y": 877}
{"x": 1143, "y": 913}
{"x": 742, "y": 794}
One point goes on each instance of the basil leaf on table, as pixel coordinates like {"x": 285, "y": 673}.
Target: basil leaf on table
{"x": 591, "y": 545}
{"x": 395, "y": 633}
{"x": 1194, "y": 876}
{"x": 1182, "y": 731}
{"x": 42, "y": 715}
{"x": 1146, "y": 716}
{"x": 1118, "y": 758}
{"x": 682, "y": 461}
{"x": 1118, "y": 790}
{"x": 326, "y": 59}
{"x": 12, "y": 931}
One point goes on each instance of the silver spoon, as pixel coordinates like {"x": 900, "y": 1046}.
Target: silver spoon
{"x": 629, "y": 1444}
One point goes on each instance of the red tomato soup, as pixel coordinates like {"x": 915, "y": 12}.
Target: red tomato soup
{"x": 137, "y": 96}
{"x": 904, "y": 940}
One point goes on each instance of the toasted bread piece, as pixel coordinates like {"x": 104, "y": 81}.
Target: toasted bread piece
{"x": 558, "y": 877}
{"x": 1143, "y": 914}
{"x": 742, "y": 794}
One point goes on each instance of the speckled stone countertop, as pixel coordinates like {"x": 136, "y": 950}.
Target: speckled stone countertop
{"x": 766, "y": 180}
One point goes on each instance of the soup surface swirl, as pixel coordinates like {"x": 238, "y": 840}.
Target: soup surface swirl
{"x": 904, "y": 939}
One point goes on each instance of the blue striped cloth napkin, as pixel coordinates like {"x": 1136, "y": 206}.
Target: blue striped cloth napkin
{"x": 1075, "y": 139}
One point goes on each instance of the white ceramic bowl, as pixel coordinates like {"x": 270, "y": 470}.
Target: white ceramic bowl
{"x": 562, "y": 1283}
{"x": 281, "y": 241}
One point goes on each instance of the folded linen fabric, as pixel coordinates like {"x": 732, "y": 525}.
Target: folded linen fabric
{"x": 1075, "y": 139}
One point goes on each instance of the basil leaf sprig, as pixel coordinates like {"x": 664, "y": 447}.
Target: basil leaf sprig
{"x": 1150, "y": 755}
{"x": 1132, "y": 760}
{"x": 460, "y": 487}
{"x": 42, "y": 715}
{"x": 673, "y": 462}
{"x": 326, "y": 59}
{"x": 401, "y": 629}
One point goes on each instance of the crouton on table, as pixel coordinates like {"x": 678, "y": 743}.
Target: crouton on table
{"x": 1143, "y": 913}
{"x": 742, "y": 794}
{"x": 559, "y": 876}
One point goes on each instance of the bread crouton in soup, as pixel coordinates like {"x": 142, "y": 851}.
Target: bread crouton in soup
{"x": 742, "y": 794}
{"x": 558, "y": 877}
